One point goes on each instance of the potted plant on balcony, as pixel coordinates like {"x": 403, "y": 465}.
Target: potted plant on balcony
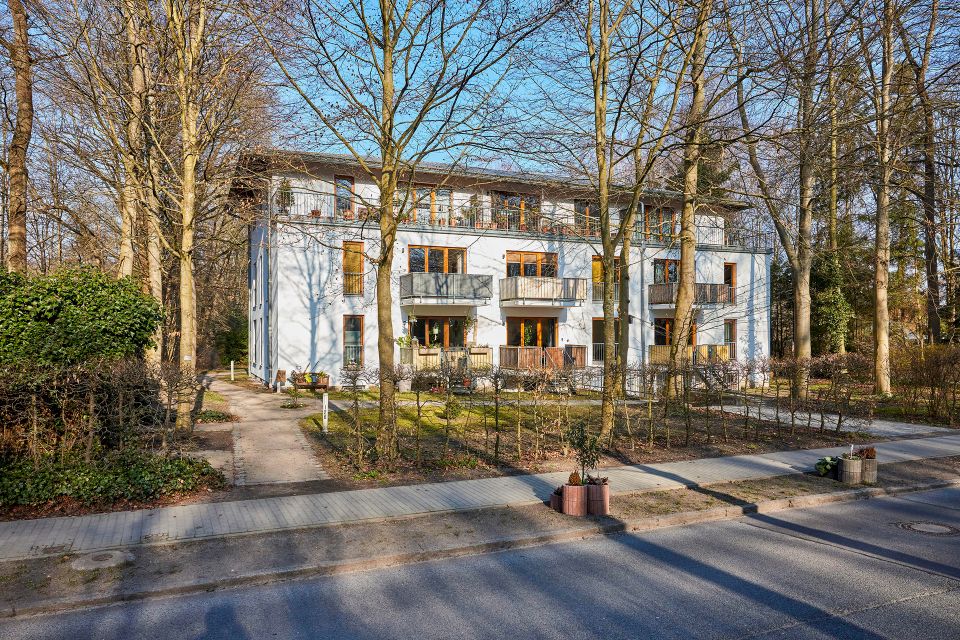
{"x": 574, "y": 496}
{"x": 851, "y": 468}
{"x": 869, "y": 465}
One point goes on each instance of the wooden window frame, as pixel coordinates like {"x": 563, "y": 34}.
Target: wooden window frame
{"x": 669, "y": 323}
{"x": 733, "y": 280}
{"x": 540, "y": 257}
{"x": 539, "y": 323}
{"x": 426, "y": 257}
{"x": 730, "y": 322}
{"x": 616, "y": 269}
{"x": 445, "y": 323}
{"x": 656, "y": 232}
{"x": 359, "y": 251}
{"x": 344, "y": 335}
{"x": 666, "y": 262}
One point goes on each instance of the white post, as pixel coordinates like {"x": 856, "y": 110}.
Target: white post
{"x": 231, "y": 371}
{"x": 326, "y": 410}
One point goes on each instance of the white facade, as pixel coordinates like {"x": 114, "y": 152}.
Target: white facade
{"x": 300, "y": 297}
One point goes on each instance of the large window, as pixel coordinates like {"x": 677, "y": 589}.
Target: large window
{"x": 353, "y": 268}
{"x": 532, "y": 332}
{"x": 597, "y": 278}
{"x": 432, "y": 204}
{"x": 439, "y": 332}
{"x": 661, "y": 224}
{"x": 437, "y": 260}
{"x": 730, "y": 279}
{"x": 353, "y": 341}
{"x": 343, "y": 196}
{"x": 666, "y": 271}
{"x": 515, "y": 210}
{"x": 664, "y": 330}
{"x": 730, "y": 331}
{"x": 530, "y": 264}
{"x": 586, "y": 217}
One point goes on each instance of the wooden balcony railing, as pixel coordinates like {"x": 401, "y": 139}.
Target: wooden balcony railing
{"x": 458, "y": 358}
{"x": 698, "y": 354}
{"x": 704, "y": 293}
{"x": 571, "y": 356}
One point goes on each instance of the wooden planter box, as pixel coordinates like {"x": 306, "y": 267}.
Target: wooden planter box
{"x": 309, "y": 380}
{"x": 598, "y": 499}
{"x": 574, "y": 500}
{"x": 556, "y": 502}
{"x": 869, "y": 474}
{"x": 851, "y": 471}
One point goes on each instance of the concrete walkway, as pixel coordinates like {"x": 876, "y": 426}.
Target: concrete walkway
{"x": 53, "y": 536}
{"x": 875, "y": 427}
{"x": 268, "y": 445}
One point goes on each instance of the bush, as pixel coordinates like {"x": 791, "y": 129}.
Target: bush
{"x": 130, "y": 475}
{"x": 73, "y": 316}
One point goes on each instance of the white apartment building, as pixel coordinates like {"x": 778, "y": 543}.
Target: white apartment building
{"x": 496, "y": 267}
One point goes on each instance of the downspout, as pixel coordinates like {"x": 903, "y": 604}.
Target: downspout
{"x": 643, "y": 286}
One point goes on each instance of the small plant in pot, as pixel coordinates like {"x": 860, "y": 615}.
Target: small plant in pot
{"x": 869, "y": 457}
{"x": 851, "y": 468}
{"x": 556, "y": 499}
{"x": 828, "y": 466}
{"x": 574, "y": 496}
{"x": 587, "y": 449}
{"x": 598, "y": 495}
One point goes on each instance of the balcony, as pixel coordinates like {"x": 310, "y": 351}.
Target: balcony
{"x": 481, "y": 217}
{"x": 456, "y": 358}
{"x": 704, "y": 293}
{"x": 697, "y": 355}
{"x": 598, "y": 288}
{"x": 445, "y": 288}
{"x": 542, "y": 292}
{"x": 599, "y": 349}
{"x": 571, "y": 356}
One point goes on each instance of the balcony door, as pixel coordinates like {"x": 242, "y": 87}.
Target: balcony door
{"x": 437, "y": 260}
{"x": 666, "y": 271}
{"x": 531, "y": 264}
{"x": 515, "y": 210}
{"x": 664, "y": 330}
{"x": 531, "y": 332}
{"x": 443, "y": 332}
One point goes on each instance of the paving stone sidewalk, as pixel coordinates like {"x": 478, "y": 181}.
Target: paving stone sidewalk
{"x": 53, "y": 536}
{"x": 876, "y": 427}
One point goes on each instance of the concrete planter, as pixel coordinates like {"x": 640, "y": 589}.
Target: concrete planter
{"x": 574, "y": 500}
{"x": 851, "y": 470}
{"x": 598, "y": 499}
{"x": 869, "y": 475}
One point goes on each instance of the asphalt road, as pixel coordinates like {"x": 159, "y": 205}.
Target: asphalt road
{"x": 842, "y": 571}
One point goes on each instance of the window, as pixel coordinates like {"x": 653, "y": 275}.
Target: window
{"x": 519, "y": 211}
{"x": 353, "y": 268}
{"x": 353, "y": 341}
{"x": 730, "y": 279}
{"x": 730, "y": 331}
{"x": 597, "y": 278}
{"x": 439, "y": 332}
{"x": 586, "y": 217}
{"x": 661, "y": 224}
{"x": 343, "y": 196}
{"x": 666, "y": 271}
{"x": 531, "y": 264}
{"x": 437, "y": 260}
{"x": 532, "y": 332}
{"x": 664, "y": 329}
{"x": 430, "y": 205}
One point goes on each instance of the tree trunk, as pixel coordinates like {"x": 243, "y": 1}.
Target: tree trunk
{"x": 20, "y": 60}
{"x": 684, "y": 312}
{"x": 881, "y": 312}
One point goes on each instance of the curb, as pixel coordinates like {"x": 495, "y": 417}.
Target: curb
{"x": 490, "y": 546}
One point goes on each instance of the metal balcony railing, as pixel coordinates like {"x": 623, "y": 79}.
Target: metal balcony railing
{"x": 599, "y": 349}
{"x": 353, "y": 284}
{"x": 704, "y": 293}
{"x": 598, "y": 288}
{"x": 546, "y": 291}
{"x": 547, "y": 221}
{"x": 445, "y": 288}
{"x": 353, "y": 355}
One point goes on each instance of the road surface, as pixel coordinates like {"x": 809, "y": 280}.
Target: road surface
{"x": 883, "y": 568}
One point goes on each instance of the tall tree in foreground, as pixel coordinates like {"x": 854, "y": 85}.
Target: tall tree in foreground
{"x": 18, "y": 49}
{"x": 392, "y": 84}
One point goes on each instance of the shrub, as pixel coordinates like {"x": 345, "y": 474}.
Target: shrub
{"x": 73, "y": 316}
{"x": 574, "y": 479}
{"x": 585, "y": 446}
{"x": 129, "y": 475}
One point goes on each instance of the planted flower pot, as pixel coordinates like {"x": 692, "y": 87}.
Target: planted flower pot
{"x": 598, "y": 499}
{"x": 851, "y": 470}
{"x": 556, "y": 502}
{"x": 574, "y": 500}
{"x": 869, "y": 475}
